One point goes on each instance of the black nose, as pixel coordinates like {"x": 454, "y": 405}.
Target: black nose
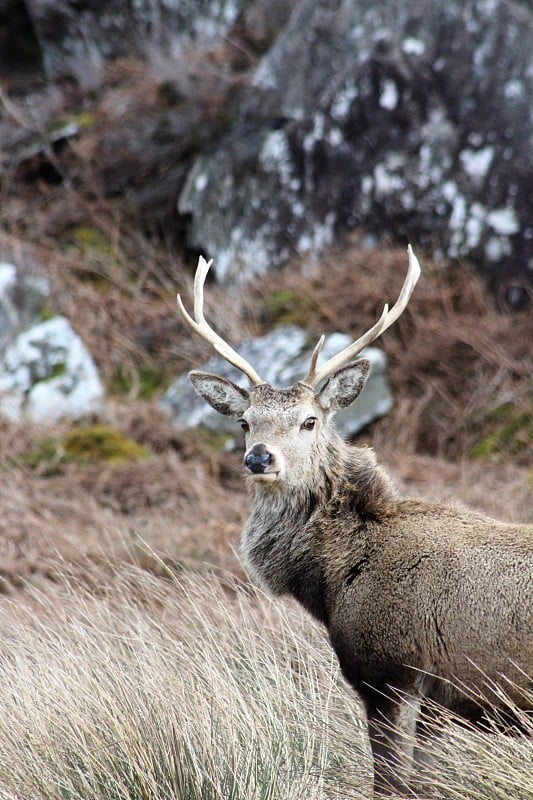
{"x": 258, "y": 459}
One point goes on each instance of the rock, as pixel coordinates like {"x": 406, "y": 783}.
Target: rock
{"x": 409, "y": 118}
{"x": 77, "y": 39}
{"x": 281, "y": 358}
{"x": 47, "y": 374}
{"x": 22, "y": 298}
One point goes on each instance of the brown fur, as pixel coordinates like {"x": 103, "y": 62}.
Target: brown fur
{"x": 423, "y": 602}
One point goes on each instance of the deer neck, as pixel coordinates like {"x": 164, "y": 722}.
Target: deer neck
{"x": 282, "y": 541}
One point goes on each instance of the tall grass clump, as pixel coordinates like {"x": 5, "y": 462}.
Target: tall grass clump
{"x": 139, "y": 688}
{"x": 468, "y": 764}
{"x": 151, "y": 690}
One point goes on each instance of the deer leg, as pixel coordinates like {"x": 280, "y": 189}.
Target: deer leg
{"x": 391, "y": 729}
{"x": 428, "y": 728}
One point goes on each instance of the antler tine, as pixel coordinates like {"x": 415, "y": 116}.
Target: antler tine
{"x": 203, "y": 329}
{"x": 316, "y": 353}
{"x": 315, "y": 376}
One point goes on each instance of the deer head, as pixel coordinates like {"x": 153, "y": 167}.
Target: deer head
{"x": 285, "y": 426}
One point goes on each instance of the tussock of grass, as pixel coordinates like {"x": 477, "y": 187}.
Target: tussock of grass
{"x": 198, "y": 689}
{"x": 159, "y": 690}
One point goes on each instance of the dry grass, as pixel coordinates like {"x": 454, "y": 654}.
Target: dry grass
{"x": 192, "y": 688}
{"x": 159, "y": 689}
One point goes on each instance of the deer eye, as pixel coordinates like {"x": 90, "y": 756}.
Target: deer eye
{"x": 309, "y": 424}
{"x": 244, "y": 425}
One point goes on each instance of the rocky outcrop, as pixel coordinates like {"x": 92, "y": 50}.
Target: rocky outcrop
{"x": 405, "y": 117}
{"x": 46, "y": 372}
{"x": 283, "y": 125}
{"x": 281, "y": 358}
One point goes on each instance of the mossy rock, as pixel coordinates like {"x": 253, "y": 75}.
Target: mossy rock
{"x": 101, "y": 443}
{"x": 507, "y": 430}
{"x": 84, "y": 444}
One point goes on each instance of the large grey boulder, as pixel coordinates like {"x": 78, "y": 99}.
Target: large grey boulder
{"x": 281, "y": 358}
{"x": 47, "y": 374}
{"x": 407, "y": 117}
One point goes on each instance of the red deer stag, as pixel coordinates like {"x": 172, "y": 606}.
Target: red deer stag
{"x": 424, "y": 603}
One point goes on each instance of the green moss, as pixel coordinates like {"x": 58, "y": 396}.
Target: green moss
{"x": 101, "y": 443}
{"x": 58, "y": 370}
{"x": 92, "y": 240}
{"x": 46, "y": 313}
{"x": 145, "y": 381}
{"x": 506, "y": 429}
{"x": 289, "y": 308}
{"x": 84, "y": 119}
{"x": 91, "y": 443}
{"x": 49, "y": 453}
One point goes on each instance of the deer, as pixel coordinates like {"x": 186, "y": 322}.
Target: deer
{"x": 427, "y": 606}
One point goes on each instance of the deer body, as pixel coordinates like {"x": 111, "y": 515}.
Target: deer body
{"x": 422, "y": 602}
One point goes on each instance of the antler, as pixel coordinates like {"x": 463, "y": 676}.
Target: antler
{"x": 200, "y": 326}
{"x": 316, "y": 376}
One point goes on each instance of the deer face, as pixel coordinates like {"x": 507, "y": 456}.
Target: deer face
{"x": 284, "y": 428}
{"x": 281, "y": 427}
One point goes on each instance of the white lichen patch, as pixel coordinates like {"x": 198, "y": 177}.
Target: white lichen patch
{"x": 412, "y": 46}
{"x": 503, "y": 221}
{"x": 200, "y": 182}
{"x": 275, "y": 157}
{"x": 8, "y": 274}
{"x": 335, "y": 137}
{"x": 476, "y": 163}
{"x": 264, "y": 77}
{"x": 514, "y": 89}
{"x": 316, "y": 134}
{"x": 319, "y": 236}
{"x": 220, "y": 17}
{"x": 475, "y": 225}
{"x": 342, "y": 103}
{"x": 386, "y": 178}
{"x": 389, "y": 95}
{"x": 496, "y": 247}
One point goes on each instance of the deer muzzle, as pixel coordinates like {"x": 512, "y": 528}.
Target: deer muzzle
{"x": 257, "y": 459}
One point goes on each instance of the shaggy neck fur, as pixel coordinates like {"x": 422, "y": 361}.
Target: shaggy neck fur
{"x": 283, "y": 540}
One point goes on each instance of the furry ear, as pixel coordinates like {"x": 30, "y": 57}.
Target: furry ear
{"x": 226, "y": 397}
{"x": 344, "y": 385}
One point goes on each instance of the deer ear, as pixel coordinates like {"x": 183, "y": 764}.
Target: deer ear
{"x": 226, "y": 397}
{"x": 344, "y": 385}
